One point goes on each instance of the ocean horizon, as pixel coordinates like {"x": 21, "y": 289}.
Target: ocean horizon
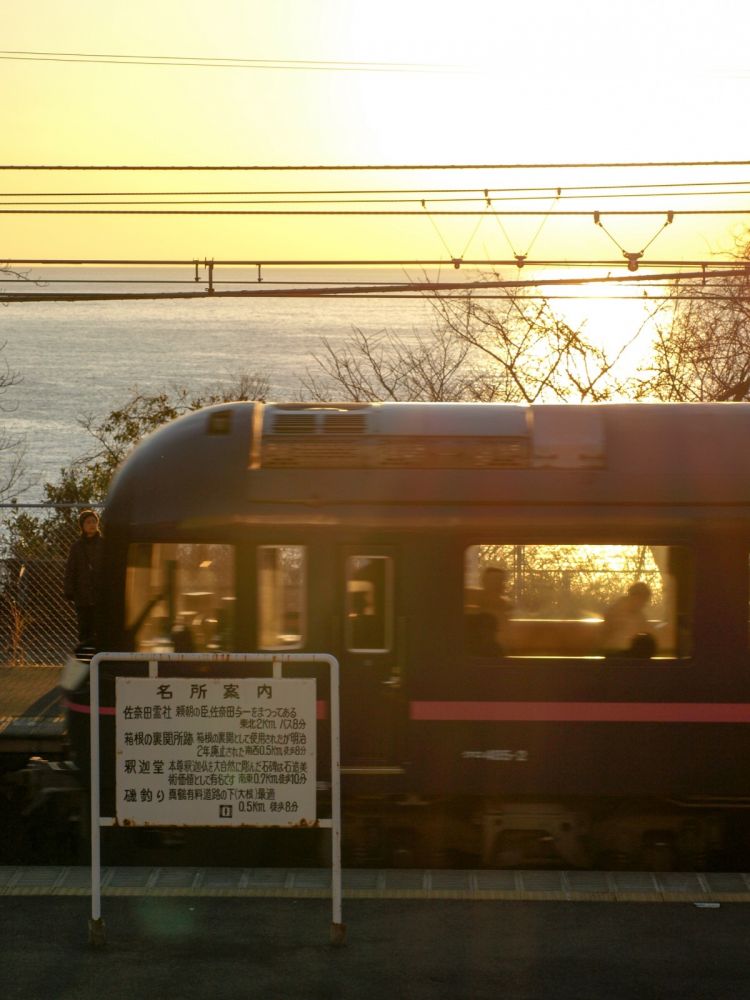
{"x": 76, "y": 359}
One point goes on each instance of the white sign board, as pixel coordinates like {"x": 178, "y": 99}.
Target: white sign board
{"x": 215, "y": 752}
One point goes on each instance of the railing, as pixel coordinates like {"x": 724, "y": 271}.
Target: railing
{"x": 37, "y": 624}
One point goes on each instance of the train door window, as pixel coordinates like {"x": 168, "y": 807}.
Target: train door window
{"x": 179, "y": 597}
{"x": 614, "y": 601}
{"x": 369, "y": 603}
{"x": 282, "y": 597}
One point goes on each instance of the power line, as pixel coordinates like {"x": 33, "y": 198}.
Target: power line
{"x": 463, "y": 213}
{"x": 381, "y": 166}
{"x": 391, "y": 296}
{"x": 358, "y": 291}
{"x": 302, "y": 199}
{"x": 375, "y": 262}
{"x": 375, "y": 293}
{"x": 44, "y": 282}
{"x": 222, "y": 62}
{"x": 424, "y": 193}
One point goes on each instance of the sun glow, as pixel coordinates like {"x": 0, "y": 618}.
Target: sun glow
{"x": 418, "y": 82}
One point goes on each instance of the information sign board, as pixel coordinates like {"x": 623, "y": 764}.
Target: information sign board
{"x": 215, "y": 752}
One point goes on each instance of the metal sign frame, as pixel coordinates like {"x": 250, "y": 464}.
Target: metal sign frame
{"x": 97, "y": 934}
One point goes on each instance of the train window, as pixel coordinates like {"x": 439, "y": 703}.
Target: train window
{"x": 179, "y": 597}
{"x": 282, "y": 588}
{"x": 369, "y": 603}
{"x": 614, "y": 601}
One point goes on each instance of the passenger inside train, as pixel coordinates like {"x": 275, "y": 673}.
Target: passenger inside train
{"x": 627, "y": 631}
{"x": 489, "y": 610}
{"x": 578, "y": 601}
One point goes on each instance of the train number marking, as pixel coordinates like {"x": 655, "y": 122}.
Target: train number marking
{"x": 520, "y": 756}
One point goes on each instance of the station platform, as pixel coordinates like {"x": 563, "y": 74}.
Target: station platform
{"x": 235, "y": 933}
{"x": 386, "y": 884}
{"x": 32, "y": 719}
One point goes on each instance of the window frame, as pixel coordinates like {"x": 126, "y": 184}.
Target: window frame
{"x": 130, "y": 620}
{"x": 389, "y": 601}
{"x": 551, "y": 538}
{"x": 304, "y": 597}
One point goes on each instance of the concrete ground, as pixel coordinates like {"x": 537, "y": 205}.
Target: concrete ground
{"x": 197, "y": 947}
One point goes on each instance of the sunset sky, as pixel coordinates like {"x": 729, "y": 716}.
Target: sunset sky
{"x": 488, "y": 82}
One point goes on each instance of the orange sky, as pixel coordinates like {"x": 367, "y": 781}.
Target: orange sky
{"x": 578, "y": 82}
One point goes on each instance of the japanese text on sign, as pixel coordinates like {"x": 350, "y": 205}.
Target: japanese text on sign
{"x": 215, "y": 752}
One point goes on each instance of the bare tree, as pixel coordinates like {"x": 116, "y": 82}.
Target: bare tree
{"x": 386, "y": 367}
{"x": 11, "y": 446}
{"x": 508, "y": 350}
{"x": 531, "y": 354}
{"x": 701, "y": 349}
{"x": 12, "y": 479}
{"x": 8, "y": 273}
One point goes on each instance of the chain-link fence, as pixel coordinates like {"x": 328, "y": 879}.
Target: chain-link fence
{"x": 37, "y": 624}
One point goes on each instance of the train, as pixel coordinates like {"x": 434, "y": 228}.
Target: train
{"x": 462, "y": 562}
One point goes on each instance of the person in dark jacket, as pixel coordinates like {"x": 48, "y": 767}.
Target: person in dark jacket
{"x": 82, "y": 575}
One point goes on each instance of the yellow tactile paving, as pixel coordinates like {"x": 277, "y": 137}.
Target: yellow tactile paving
{"x": 306, "y": 883}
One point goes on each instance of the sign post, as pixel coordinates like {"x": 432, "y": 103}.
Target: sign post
{"x": 213, "y": 751}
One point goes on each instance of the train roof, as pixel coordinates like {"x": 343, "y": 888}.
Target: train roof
{"x": 245, "y": 460}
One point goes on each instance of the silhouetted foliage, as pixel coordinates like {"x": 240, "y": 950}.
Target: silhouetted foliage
{"x": 701, "y": 350}
{"x": 480, "y": 350}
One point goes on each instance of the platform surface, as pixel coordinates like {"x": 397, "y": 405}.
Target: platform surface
{"x": 192, "y": 947}
{"x": 386, "y": 884}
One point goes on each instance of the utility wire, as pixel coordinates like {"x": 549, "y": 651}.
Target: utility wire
{"x": 579, "y": 213}
{"x": 219, "y": 62}
{"x": 645, "y": 296}
{"x": 44, "y": 282}
{"x": 381, "y": 166}
{"x": 389, "y": 296}
{"x": 358, "y": 291}
{"x": 382, "y": 262}
{"x": 424, "y": 193}
{"x": 302, "y": 199}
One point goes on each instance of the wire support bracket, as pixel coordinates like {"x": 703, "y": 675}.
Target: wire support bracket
{"x": 633, "y": 257}
{"x": 522, "y": 258}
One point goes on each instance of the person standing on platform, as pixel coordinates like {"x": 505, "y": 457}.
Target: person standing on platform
{"x": 82, "y": 575}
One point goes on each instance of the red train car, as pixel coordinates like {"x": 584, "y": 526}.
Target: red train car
{"x": 540, "y": 613}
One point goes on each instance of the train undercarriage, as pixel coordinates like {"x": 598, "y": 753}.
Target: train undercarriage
{"x": 650, "y": 835}
{"x": 44, "y": 818}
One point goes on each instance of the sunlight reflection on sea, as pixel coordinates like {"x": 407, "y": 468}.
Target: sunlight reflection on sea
{"x": 76, "y": 358}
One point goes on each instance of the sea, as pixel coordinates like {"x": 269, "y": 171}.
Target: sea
{"x": 81, "y": 359}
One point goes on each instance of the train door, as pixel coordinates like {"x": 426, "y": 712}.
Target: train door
{"x": 371, "y": 656}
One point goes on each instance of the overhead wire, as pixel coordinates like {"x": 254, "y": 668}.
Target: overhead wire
{"x": 377, "y": 294}
{"x": 364, "y": 289}
{"x": 301, "y": 198}
{"x": 227, "y": 62}
{"x": 497, "y": 193}
{"x": 351, "y": 262}
{"x": 375, "y": 199}
{"x": 569, "y": 213}
{"x": 374, "y": 167}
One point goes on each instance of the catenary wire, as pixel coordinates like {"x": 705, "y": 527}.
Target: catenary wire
{"x": 579, "y": 213}
{"x": 392, "y": 296}
{"x": 405, "y": 287}
{"x": 380, "y": 200}
{"x": 422, "y": 192}
{"x": 338, "y": 167}
{"x": 382, "y": 262}
{"x": 222, "y": 62}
